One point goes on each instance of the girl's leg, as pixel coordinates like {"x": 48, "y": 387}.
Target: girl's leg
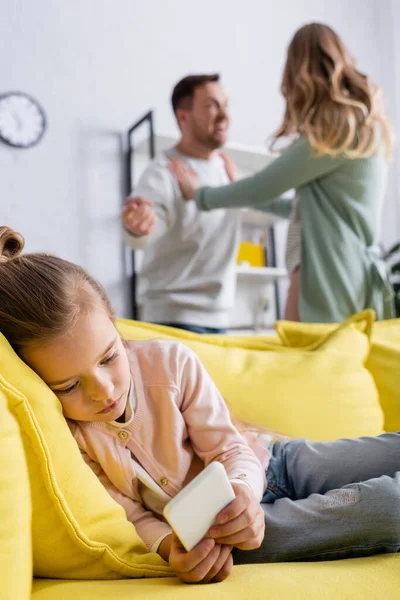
{"x": 292, "y": 302}
{"x": 316, "y": 467}
{"x": 316, "y": 508}
{"x": 359, "y": 519}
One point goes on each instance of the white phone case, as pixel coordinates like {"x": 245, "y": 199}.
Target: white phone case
{"x": 192, "y": 512}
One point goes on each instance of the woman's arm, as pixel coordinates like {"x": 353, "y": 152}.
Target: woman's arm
{"x": 296, "y": 167}
{"x": 280, "y": 207}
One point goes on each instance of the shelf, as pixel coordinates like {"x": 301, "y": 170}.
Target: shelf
{"x": 266, "y": 273}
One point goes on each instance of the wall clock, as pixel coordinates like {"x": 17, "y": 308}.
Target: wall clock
{"x": 22, "y": 120}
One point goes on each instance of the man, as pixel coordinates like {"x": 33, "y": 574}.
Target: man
{"x": 187, "y": 278}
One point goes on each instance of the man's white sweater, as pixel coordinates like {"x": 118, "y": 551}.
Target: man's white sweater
{"x": 188, "y": 270}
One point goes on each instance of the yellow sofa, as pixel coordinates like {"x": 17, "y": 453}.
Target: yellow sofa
{"x": 305, "y": 381}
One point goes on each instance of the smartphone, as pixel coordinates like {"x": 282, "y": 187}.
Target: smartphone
{"x": 192, "y": 512}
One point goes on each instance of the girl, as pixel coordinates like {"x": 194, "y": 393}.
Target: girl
{"x": 338, "y": 167}
{"x": 147, "y": 419}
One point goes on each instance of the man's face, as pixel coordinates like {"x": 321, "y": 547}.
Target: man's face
{"x": 208, "y": 118}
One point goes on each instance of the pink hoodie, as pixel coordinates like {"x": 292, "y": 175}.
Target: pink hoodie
{"x": 180, "y": 425}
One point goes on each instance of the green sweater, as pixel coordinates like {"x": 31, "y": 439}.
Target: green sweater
{"x": 340, "y": 205}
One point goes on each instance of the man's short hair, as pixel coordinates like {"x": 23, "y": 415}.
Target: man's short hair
{"x": 183, "y": 92}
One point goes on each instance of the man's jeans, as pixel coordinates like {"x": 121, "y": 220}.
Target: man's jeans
{"x": 330, "y": 500}
{"x": 196, "y": 328}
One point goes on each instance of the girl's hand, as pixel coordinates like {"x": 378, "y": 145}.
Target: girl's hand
{"x": 230, "y": 167}
{"x": 241, "y": 523}
{"x": 208, "y": 562}
{"x": 187, "y": 178}
{"x": 164, "y": 548}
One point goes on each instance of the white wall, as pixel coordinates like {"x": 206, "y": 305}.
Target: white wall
{"x": 387, "y": 48}
{"x": 97, "y": 65}
{"x": 393, "y": 73}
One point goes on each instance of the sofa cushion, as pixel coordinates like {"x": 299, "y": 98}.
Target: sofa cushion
{"x": 365, "y": 578}
{"x": 15, "y": 510}
{"x": 322, "y": 392}
{"x": 384, "y": 365}
{"x": 383, "y": 361}
{"x": 78, "y": 530}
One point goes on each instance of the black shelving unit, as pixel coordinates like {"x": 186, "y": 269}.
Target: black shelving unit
{"x": 271, "y": 256}
{"x": 146, "y": 121}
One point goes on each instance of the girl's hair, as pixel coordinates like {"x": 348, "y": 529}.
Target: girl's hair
{"x": 337, "y": 108}
{"x": 41, "y": 296}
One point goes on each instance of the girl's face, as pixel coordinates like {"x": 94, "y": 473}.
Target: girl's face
{"x": 88, "y": 370}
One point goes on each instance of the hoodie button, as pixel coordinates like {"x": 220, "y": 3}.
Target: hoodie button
{"x": 164, "y": 481}
{"x": 123, "y": 435}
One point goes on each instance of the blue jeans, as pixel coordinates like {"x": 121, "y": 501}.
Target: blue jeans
{"x": 196, "y": 328}
{"x": 330, "y": 500}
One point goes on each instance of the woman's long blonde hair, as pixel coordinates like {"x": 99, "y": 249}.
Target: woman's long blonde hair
{"x": 337, "y": 108}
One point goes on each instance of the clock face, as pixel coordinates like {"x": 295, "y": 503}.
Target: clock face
{"x": 22, "y": 120}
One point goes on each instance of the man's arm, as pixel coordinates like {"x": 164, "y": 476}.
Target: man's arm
{"x": 150, "y": 212}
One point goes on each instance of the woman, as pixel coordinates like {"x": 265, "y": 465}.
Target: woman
{"x": 338, "y": 166}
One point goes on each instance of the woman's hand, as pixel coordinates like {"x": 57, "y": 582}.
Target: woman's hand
{"x": 208, "y": 562}
{"x": 241, "y": 523}
{"x": 187, "y": 178}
